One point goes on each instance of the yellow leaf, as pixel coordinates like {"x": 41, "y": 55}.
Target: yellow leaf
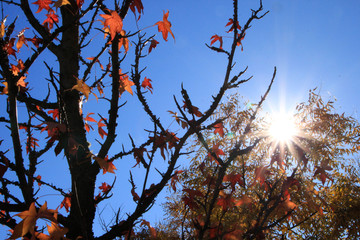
{"x": 60, "y": 3}
{"x": 82, "y": 87}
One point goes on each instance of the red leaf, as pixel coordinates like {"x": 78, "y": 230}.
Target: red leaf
{"x": 219, "y": 128}
{"x": 164, "y": 26}
{"x": 43, "y": 4}
{"x": 147, "y": 84}
{"x": 175, "y": 179}
{"x": 153, "y": 44}
{"x": 138, "y": 5}
{"x": 105, "y": 188}
{"x": 216, "y": 38}
{"x": 55, "y": 113}
{"x": 261, "y": 173}
{"x": 234, "y": 178}
{"x": 52, "y": 17}
{"x": 194, "y": 110}
{"x": 231, "y": 22}
{"x": 321, "y": 170}
{"x": 151, "y": 229}
{"x": 100, "y": 130}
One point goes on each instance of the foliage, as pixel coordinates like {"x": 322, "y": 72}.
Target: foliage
{"x": 50, "y": 117}
{"x": 303, "y": 188}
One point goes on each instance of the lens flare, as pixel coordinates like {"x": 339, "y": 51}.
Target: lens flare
{"x": 282, "y": 128}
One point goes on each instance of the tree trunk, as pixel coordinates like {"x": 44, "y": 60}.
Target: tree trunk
{"x": 75, "y": 144}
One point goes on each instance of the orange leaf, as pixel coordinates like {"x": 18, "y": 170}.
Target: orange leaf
{"x": 5, "y": 89}
{"x": 66, "y": 202}
{"x": 43, "y": 4}
{"x": 123, "y": 41}
{"x": 114, "y": 22}
{"x": 29, "y": 219}
{"x": 125, "y": 83}
{"x": 164, "y": 26}
{"x": 105, "y": 165}
{"x": 56, "y": 232}
{"x": 97, "y": 60}
{"x": 21, "y": 40}
{"x": 2, "y": 28}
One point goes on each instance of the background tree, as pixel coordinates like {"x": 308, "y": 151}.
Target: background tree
{"x": 304, "y": 186}
{"x": 59, "y": 121}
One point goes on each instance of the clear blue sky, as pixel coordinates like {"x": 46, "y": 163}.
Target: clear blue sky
{"x": 312, "y": 44}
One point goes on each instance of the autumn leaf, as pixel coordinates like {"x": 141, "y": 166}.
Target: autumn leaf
{"x": 151, "y": 229}
{"x": 322, "y": 171}
{"x": 97, "y": 61}
{"x": 138, "y": 5}
{"x": 27, "y": 225}
{"x": 261, "y": 173}
{"x": 55, "y": 113}
{"x": 217, "y": 151}
{"x": 66, "y": 202}
{"x": 146, "y": 84}
{"x": 175, "y": 179}
{"x": 56, "y": 232}
{"x": 234, "y": 178}
{"x": 106, "y": 165}
{"x": 125, "y": 83}
{"x": 35, "y": 40}
{"x": 135, "y": 195}
{"x": 2, "y": 28}
{"x": 60, "y": 3}
{"x": 164, "y": 26}
{"x": 9, "y": 47}
{"x": 82, "y": 87}
{"x": 5, "y": 89}
{"x": 225, "y": 201}
{"x": 219, "y": 128}
{"x": 43, "y": 4}
{"x": 193, "y": 110}
{"x": 105, "y": 188}
{"x": 100, "y": 129}
{"x": 21, "y": 40}
{"x": 231, "y": 23}
{"x": 216, "y": 38}
{"x": 114, "y": 22}
{"x": 52, "y": 18}
{"x": 153, "y": 44}
{"x": 124, "y": 41}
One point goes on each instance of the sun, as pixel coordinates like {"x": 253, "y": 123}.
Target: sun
{"x": 282, "y": 128}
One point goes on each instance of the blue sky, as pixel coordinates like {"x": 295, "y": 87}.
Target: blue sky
{"x": 312, "y": 44}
